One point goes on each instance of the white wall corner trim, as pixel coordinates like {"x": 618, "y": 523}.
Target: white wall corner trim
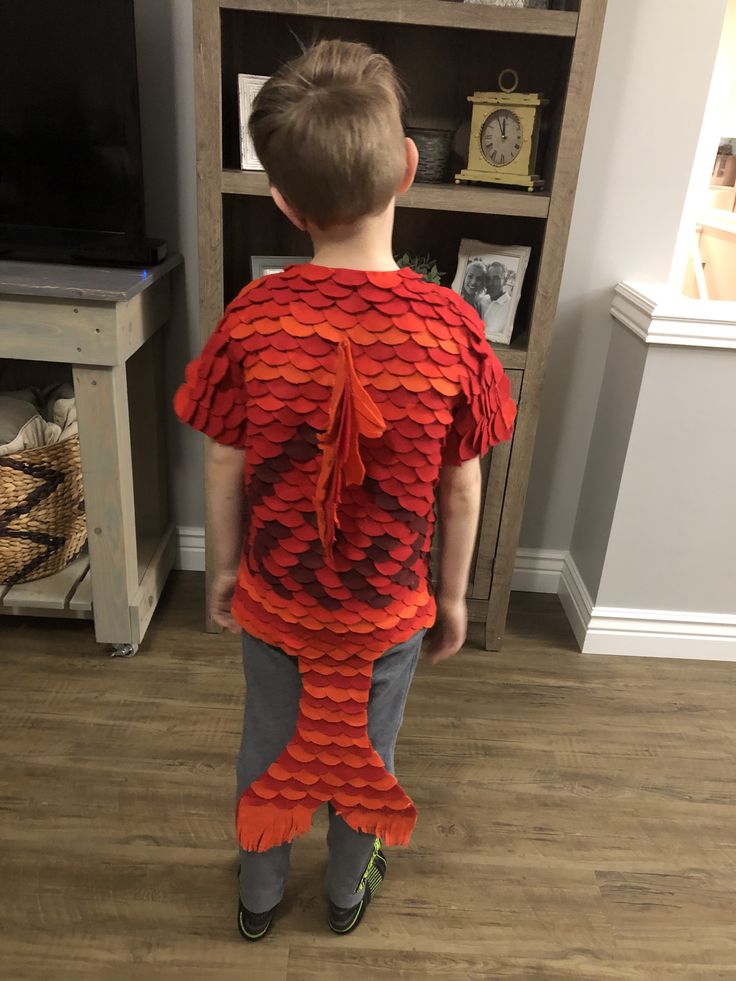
{"x": 659, "y": 315}
{"x": 644, "y": 633}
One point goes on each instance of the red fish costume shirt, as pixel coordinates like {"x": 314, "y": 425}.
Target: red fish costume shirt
{"x": 348, "y": 391}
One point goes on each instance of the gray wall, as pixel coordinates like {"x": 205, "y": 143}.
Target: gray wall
{"x": 655, "y": 66}
{"x": 165, "y": 71}
{"x": 652, "y": 82}
{"x": 672, "y": 543}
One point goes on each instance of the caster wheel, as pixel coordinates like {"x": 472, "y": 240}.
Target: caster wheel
{"x": 123, "y": 650}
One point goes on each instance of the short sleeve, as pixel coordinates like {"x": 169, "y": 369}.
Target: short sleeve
{"x": 485, "y": 412}
{"x": 213, "y": 398}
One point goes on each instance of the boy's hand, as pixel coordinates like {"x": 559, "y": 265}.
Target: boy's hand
{"x": 457, "y": 511}
{"x": 449, "y": 631}
{"x": 221, "y": 598}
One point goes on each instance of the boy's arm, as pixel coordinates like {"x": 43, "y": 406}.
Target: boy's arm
{"x": 225, "y": 513}
{"x": 458, "y": 511}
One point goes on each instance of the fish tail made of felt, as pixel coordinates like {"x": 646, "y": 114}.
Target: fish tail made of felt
{"x": 330, "y": 758}
{"x": 352, "y": 414}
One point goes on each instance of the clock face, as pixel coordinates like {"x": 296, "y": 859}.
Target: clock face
{"x": 501, "y": 137}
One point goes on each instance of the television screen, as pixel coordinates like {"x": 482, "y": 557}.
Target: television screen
{"x": 70, "y": 153}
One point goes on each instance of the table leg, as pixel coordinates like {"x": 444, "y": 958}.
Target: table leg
{"x": 104, "y": 437}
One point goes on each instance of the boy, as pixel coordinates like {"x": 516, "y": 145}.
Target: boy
{"x": 338, "y": 395}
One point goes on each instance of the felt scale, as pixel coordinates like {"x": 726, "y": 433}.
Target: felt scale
{"x": 348, "y": 390}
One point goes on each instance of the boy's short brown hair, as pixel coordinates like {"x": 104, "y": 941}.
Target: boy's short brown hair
{"x": 327, "y": 128}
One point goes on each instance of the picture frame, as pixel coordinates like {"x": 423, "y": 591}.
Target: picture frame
{"x": 490, "y": 278}
{"x": 267, "y": 265}
{"x": 248, "y": 88}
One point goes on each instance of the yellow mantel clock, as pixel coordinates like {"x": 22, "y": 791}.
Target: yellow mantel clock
{"x": 504, "y": 133}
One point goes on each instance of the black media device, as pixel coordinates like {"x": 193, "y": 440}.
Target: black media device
{"x": 71, "y": 176}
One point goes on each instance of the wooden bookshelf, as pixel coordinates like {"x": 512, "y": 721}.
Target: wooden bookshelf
{"x": 444, "y": 51}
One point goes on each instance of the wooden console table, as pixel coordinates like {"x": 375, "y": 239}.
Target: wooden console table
{"x": 105, "y": 324}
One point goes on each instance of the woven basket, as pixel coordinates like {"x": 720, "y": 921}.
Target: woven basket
{"x": 434, "y": 153}
{"x": 42, "y": 526}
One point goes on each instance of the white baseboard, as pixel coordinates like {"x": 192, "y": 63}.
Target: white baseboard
{"x": 538, "y": 570}
{"x": 190, "y": 549}
{"x": 644, "y": 633}
{"x": 661, "y": 633}
{"x": 598, "y": 629}
{"x": 575, "y": 599}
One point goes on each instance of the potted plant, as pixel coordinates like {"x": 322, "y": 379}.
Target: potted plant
{"x": 423, "y": 264}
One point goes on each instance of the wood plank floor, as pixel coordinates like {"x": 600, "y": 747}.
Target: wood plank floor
{"x": 577, "y": 815}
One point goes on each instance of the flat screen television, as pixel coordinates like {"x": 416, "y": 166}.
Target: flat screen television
{"x": 71, "y": 179}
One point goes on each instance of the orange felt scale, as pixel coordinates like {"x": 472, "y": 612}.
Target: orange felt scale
{"x": 348, "y": 391}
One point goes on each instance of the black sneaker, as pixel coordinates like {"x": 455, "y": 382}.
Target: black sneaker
{"x": 342, "y": 920}
{"x": 254, "y": 926}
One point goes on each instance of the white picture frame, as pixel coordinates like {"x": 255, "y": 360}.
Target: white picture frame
{"x": 248, "y": 88}
{"x": 267, "y": 265}
{"x": 490, "y": 278}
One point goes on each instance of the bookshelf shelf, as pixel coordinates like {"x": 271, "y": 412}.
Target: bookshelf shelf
{"x": 434, "y": 197}
{"x": 431, "y": 13}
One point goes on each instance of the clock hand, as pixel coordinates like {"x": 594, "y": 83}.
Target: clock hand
{"x": 502, "y": 125}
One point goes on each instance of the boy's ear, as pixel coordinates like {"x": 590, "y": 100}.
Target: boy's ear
{"x": 283, "y": 205}
{"x": 412, "y": 161}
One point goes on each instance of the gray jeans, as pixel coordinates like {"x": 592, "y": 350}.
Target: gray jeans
{"x": 273, "y": 685}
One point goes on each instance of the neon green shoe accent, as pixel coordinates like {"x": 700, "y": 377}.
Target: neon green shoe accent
{"x": 351, "y": 924}
{"x": 371, "y": 866}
